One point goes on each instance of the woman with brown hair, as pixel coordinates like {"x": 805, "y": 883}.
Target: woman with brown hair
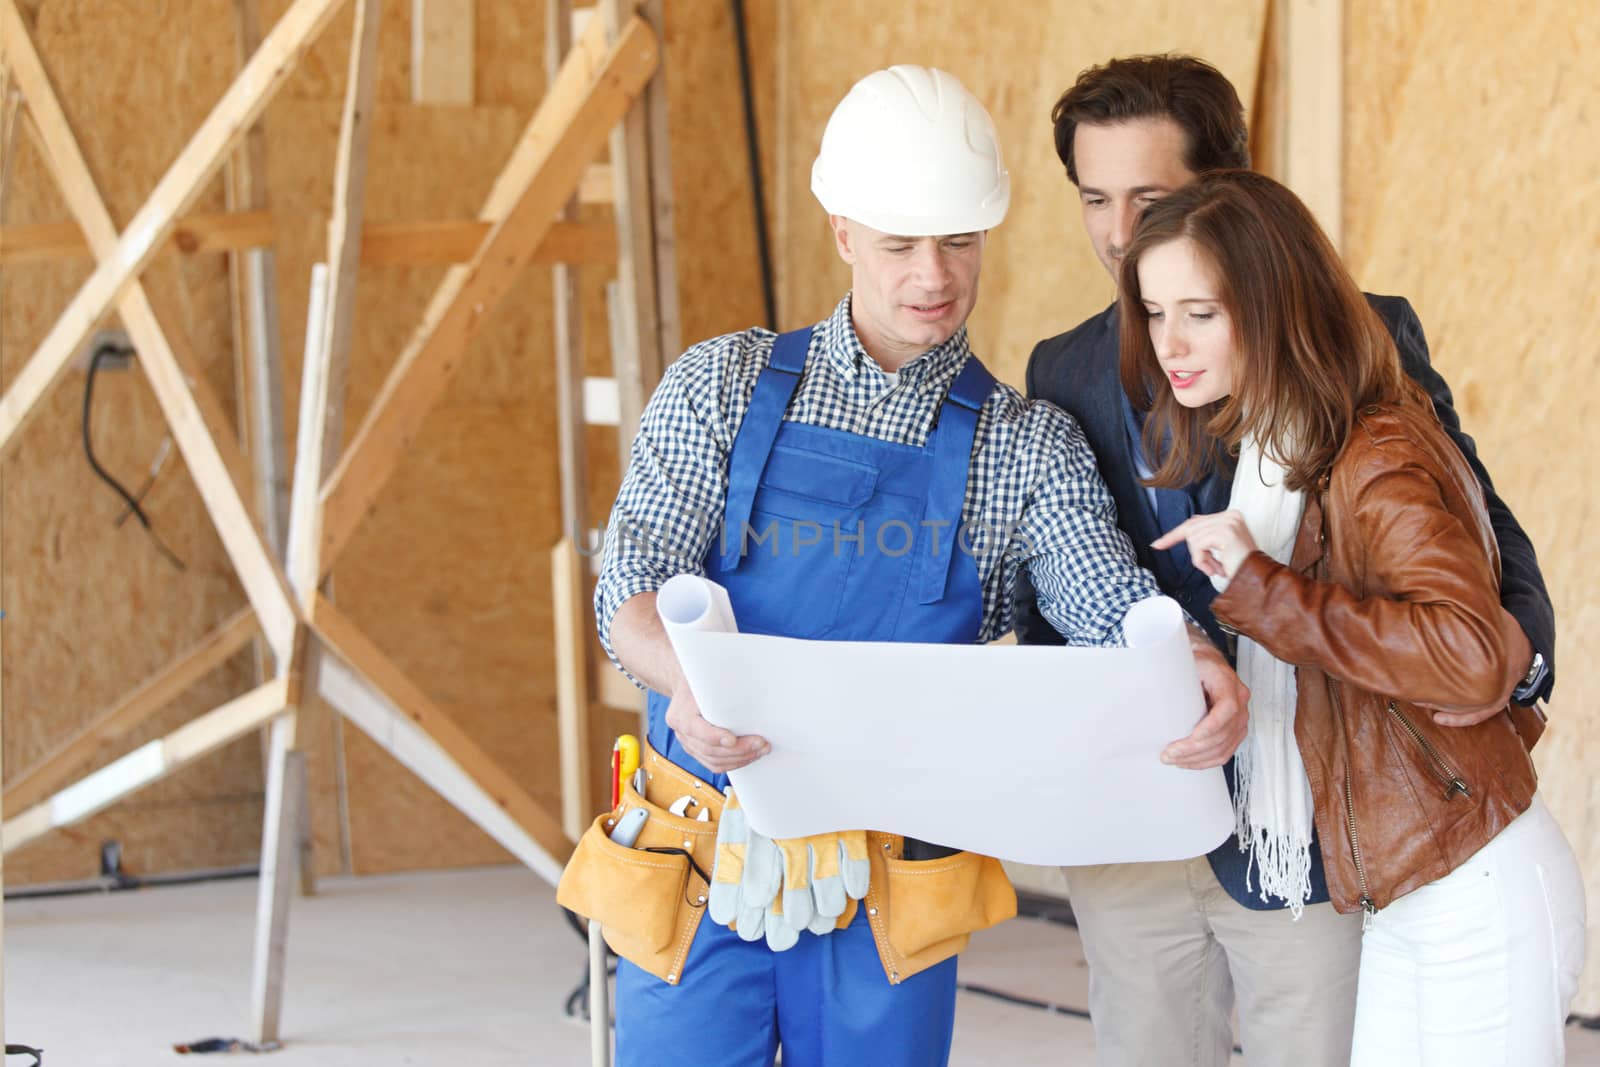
{"x": 1359, "y": 569}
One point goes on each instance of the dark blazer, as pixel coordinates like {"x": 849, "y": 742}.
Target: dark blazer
{"x": 1077, "y": 371}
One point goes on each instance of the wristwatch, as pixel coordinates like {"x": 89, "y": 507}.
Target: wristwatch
{"x": 1531, "y": 682}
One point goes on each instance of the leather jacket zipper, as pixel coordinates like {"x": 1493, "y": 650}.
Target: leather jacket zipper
{"x": 1448, "y": 778}
{"x": 1368, "y": 908}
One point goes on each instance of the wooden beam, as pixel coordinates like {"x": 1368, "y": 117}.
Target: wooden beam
{"x": 344, "y": 228}
{"x": 1315, "y": 155}
{"x": 636, "y": 357}
{"x": 9, "y": 115}
{"x": 258, "y": 572}
{"x": 567, "y": 571}
{"x": 383, "y": 244}
{"x": 402, "y": 718}
{"x": 330, "y": 325}
{"x": 94, "y": 741}
{"x": 1297, "y": 123}
{"x": 1265, "y": 114}
{"x": 253, "y": 295}
{"x": 396, "y": 733}
{"x": 193, "y": 413}
{"x": 598, "y": 185}
{"x": 567, "y": 311}
{"x": 442, "y": 44}
{"x": 285, "y": 802}
{"x": 613, "y": 690}
{"x": 304, "y": 506}
{"x": 239, "y": 106}
{"x": 194, "y": 235}
{"x": 669, "y": 320}
{"x": 573, "y": 623}
{"x": 147, "y": 764}
{"x": 417, "y": 243}
{"x": 592, "y": 92}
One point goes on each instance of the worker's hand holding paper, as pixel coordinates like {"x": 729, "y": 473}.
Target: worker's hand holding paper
{"x": 1044, "y": 755}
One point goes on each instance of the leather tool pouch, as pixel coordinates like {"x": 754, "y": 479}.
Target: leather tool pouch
{"x": 650, "y": 898}
{"x": 924, "y": 911}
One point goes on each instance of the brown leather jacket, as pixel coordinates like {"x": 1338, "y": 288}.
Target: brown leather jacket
{"x": 1390, "y": 609}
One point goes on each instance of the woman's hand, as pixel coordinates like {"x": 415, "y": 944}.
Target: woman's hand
{"x": 1218, "y": 544}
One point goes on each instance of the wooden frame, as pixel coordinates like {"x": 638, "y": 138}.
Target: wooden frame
{"x": 382, "y": 243}
{"x": 313, "y": 645}
{"x": 253, "y": 294}
{"x": 572, "y": 696}
{"x": 1297, "y": 122}
{"x": 596, "y": 86}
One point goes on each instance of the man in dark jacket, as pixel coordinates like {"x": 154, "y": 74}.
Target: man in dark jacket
{"x": 1170, "y": 944}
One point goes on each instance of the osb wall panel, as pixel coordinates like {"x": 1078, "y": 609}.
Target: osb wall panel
{"x": 1039, "y": 273}
{"x": 93, "y": 608}
{"x": 1472, "y": 177}
{"x": 719, "y": 268}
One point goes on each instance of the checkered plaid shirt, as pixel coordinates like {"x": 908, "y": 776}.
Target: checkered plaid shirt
{"x": 1032, "y": 473}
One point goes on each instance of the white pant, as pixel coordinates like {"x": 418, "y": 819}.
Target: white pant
{"x": 1477, "y": 968}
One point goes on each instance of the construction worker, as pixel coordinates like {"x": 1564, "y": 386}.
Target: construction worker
{"x": 865, "y": 479}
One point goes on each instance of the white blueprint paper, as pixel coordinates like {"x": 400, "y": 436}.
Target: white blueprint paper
{"x": 1043, "y": 755}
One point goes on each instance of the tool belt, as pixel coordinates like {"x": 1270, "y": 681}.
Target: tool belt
{"x": 649, "y": 903}
{"x": 923, "y": 912}
{"x": 649, "y": 899}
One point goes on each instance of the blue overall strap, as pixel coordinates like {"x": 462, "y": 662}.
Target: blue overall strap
{"x": 952, "y": 455}
{"x": 774, "y": 388}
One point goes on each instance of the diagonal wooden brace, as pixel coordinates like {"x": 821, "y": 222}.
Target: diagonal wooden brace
{"x": 239, "y": 106}
{"x": 502, "y": 798}
{"x": 116, "y": 722}
{"x": 192, "y": 412}
{"x": 148, "y": 763}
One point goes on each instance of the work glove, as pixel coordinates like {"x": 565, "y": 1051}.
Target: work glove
{"x": 745, "y": 876}
{"x": 821, "y": 873}
{"x": 816, "y": 885}
{"x": 780, "y": 935}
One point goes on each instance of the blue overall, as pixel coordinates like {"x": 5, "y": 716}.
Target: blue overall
{"x": 834, "y": 536}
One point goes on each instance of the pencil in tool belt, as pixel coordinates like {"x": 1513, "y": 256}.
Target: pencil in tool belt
{"x": 624, "y": 761}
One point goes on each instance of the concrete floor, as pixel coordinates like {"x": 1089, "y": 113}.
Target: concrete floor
{"x": 462, "y": 967}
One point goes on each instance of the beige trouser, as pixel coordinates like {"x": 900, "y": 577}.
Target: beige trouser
{"x": 1168, "y": 948}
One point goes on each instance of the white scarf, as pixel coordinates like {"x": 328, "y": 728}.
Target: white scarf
{"x": 1272, "y": 798}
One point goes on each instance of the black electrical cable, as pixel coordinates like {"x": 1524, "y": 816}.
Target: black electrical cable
{"x": 102, "y": 352}
{"x": 121, "y": 882}
{"x": 1025, "y": 1002}
{"x": 149, "y": 481}
{"x": 753, "y": 148}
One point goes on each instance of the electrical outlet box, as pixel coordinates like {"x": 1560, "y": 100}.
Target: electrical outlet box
{"x": 119, "y": 358}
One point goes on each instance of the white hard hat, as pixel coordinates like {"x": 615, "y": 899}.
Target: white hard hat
{"x": 909, "y": 151}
